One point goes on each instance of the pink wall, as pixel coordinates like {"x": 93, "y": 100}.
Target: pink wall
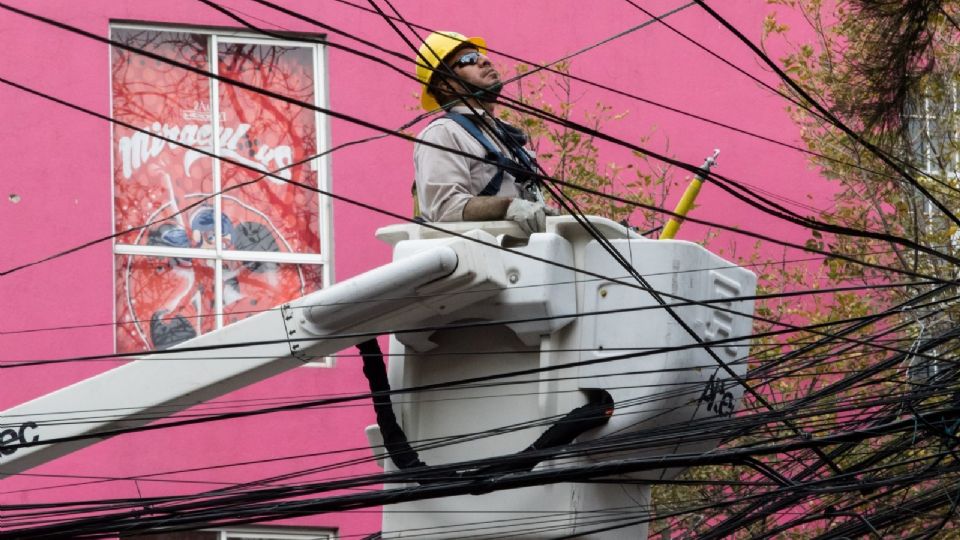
{"x": 58, "y": 162}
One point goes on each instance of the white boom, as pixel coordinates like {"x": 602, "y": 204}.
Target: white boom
{"x": 577, "y": 328}
{"x": 450, "y": 275}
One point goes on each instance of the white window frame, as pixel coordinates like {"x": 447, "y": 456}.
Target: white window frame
{"x": 321, "y": 164}
{"x": 277, "y": 534}
{"x": 921, "y": 369}
{"x": 928, "y": 118}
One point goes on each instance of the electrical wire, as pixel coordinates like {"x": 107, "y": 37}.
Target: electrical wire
{"x": 849, "y": 384}
{"x": 585, "y": 129}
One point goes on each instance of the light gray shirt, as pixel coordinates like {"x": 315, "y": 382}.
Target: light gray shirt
{"x": 446, "y": 181}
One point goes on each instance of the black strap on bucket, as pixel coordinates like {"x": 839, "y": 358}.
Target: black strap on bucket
{"x": 594, "y": 414}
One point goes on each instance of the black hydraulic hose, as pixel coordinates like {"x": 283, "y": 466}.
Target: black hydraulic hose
{"x": 594, "y": 414}
{"x": 394, "y": 439}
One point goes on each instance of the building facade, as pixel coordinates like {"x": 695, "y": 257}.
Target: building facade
{"x": 129, "y": 236}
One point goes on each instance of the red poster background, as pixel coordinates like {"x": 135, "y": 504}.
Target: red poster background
{"x": 163, "y": 193}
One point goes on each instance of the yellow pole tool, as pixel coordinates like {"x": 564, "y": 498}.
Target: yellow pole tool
{"x": 690, "y": 195}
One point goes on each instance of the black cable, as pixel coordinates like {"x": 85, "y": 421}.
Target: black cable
{"x": 289, "y": 181}
{"x": 873, "y": 149}
{"x": 660, "y": 18}
{"x": 737, "y": 522}
{"x": 571, "y": 207}
{"x": 394, "y": 439}
{"x": 590, "y": 416}
{"x": 335, "y": 400}
{"x": 683, "y": 165}
{"x": 804, "y": 106}
{"x": 228, "y": 160}
{"x": 517, "y": 480}
{"x": 761, "y": 297}
{"x": 322, "y": 402}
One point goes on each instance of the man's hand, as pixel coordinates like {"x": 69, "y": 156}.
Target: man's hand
{"x": 531, "y": 216}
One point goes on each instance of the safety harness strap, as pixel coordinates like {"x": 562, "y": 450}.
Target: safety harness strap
{"x": 493, "y": 186}
{"x": 513, "y": 138}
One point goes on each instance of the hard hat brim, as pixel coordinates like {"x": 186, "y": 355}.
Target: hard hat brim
{"x": 427, "y": 101}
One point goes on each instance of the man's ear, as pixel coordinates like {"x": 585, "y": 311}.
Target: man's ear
{"x": 445, "y": 91}
{"x": 449, "y": 87}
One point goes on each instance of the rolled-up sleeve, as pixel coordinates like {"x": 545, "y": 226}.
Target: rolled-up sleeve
{"x": 442, "y": 178}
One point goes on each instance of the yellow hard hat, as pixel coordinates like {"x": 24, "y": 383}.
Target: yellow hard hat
{"x": 435, "y": 49}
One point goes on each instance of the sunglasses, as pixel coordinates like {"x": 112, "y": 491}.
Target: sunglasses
{"x": 468, "y": 59}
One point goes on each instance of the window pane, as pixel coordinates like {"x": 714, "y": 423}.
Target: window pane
{"x": 151, "y": 177}
{"x": 162, "y": 301}
{"x": 269, "y": 535}
{"x": 931, "y": 120}
{"x": 251, "y": 287}
{"x": 269, "y": 134}
{"x": 273, "y": 537}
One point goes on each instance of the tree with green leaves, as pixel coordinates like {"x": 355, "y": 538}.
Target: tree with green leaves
{"x": 858, "y": 365}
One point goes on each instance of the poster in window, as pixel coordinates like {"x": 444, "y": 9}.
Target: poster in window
{"x": 164, "y": 189}
{"x": 276, "y": 135}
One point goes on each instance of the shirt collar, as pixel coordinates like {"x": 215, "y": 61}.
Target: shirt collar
{"x": 463, "y": 109}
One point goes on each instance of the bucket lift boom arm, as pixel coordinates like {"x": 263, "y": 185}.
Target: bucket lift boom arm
{"x": 402, "y": 294}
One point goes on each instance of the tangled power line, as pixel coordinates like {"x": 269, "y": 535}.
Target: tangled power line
{"x": 861, "y": 451}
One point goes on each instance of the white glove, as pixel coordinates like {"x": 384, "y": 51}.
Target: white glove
{"x": 531, "y": 216}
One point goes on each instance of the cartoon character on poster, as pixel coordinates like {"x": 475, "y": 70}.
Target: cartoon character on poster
{"x": 164, "y": 191}
{"x": 171, "y": 299}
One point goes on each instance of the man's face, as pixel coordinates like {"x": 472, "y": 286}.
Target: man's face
{"x": 473, "y": 68}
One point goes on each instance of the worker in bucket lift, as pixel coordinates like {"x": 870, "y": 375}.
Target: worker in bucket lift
{"x": 456, "y": 75}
